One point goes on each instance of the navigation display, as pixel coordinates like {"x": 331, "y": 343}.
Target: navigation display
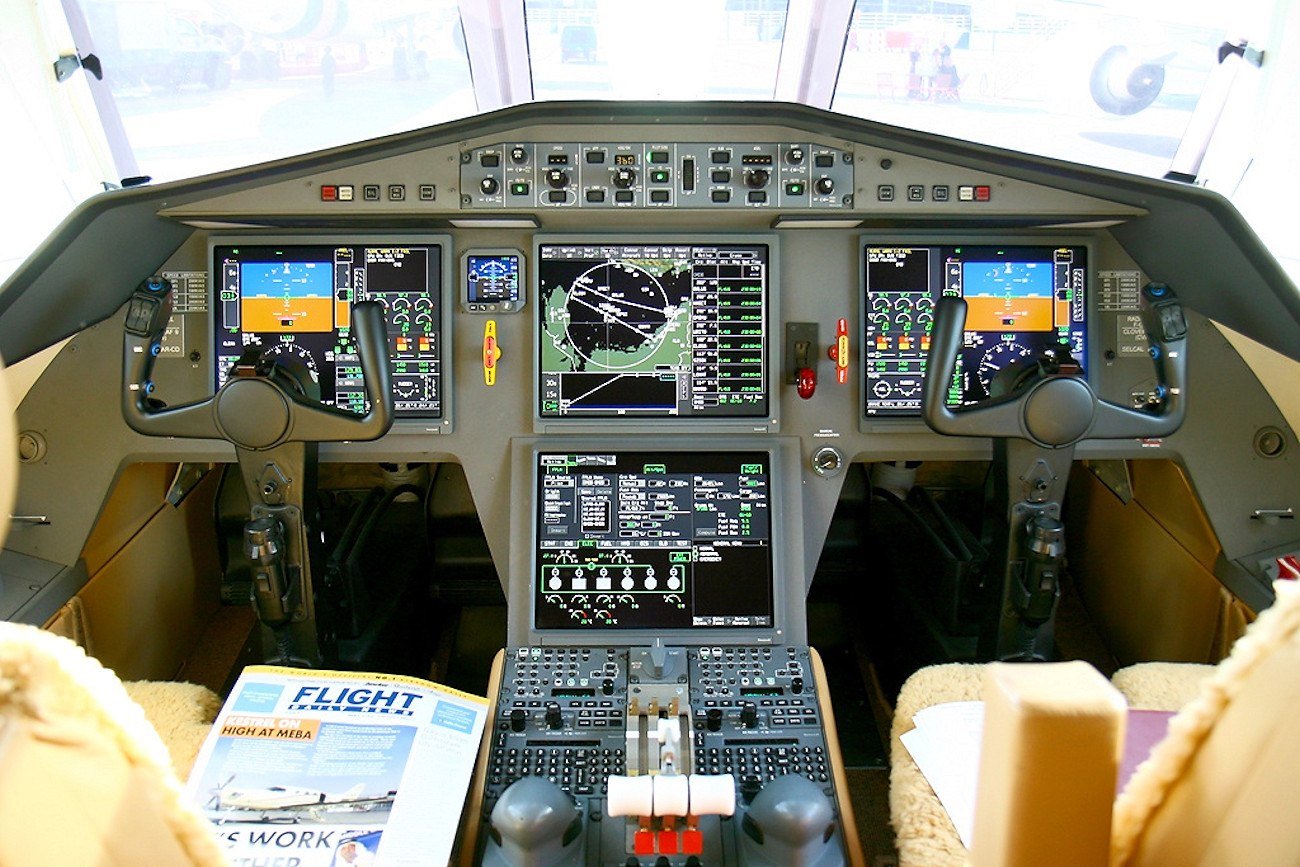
{"x": 295, "y": 301}
{"x": 653, "y": 540}
{"x": 653, "y": 330}
{"x": 1020, "y": 301}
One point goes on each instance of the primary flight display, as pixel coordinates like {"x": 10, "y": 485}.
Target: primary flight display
{"x": 1022, "y": 301}
{"x": 293, "y": 300}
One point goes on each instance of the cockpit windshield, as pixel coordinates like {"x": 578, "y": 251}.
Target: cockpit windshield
{"x": 1107, "y": 87}
{"x": 196, "y": 86}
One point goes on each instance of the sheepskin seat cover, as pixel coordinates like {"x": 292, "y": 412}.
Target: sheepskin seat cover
{"x": 84, "y": 778}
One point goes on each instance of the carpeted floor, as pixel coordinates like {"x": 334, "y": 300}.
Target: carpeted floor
{"x": 217, "y": 658}
{"x": 869, "y": 793}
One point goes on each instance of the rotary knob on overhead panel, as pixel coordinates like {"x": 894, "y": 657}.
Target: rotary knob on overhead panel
{"x": 489, "y": 186}
{"x": 825, "y": 186}
{"x": 757, "y": 178}
{"x": 624, "y": 177}
{"x": 557, "y": 178}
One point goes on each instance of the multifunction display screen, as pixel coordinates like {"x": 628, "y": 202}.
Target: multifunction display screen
{"x": 295, "y": 301}
{"x": 653, "y": 330}
{"x": 653, "y": 540}
{"x": 1020, "y": 302}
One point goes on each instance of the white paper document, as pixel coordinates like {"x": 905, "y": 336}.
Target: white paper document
{"x": 946, "y": 747}
{"x": 323, "y": 768}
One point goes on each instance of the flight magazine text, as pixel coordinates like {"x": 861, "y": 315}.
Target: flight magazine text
{"x": 338, "y": 769}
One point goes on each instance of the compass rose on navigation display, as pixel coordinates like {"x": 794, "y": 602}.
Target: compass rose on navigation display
{"x": 619, "y": 315}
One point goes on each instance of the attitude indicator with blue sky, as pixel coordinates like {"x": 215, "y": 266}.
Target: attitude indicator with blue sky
{"x": 287, "y": 296}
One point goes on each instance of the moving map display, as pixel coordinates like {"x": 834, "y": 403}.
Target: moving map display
{"x": 295, "y": 302}
{"x": 653, "y": 330}
{"x": 1021, "y": 300}
{"x": 653, "y": 540}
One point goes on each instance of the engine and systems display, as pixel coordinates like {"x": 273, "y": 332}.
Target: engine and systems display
{"x": 1022, "y": 301}
{"x": 653, "y": 330}
{"x": 295, "y": 301}
{"x": 653, "y": 540}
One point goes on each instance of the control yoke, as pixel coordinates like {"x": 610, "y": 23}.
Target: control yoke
{"x": 1058, "y": 410}
{"x": 268, "y": 412}
{"x": 258, "y": 408}
{"x": 1034, "y": 429}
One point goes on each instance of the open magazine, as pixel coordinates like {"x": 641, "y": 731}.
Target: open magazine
{"x": 328, "y": 768}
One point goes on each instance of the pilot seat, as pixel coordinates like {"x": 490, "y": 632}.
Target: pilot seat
{"x": 1213, "y": 791}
